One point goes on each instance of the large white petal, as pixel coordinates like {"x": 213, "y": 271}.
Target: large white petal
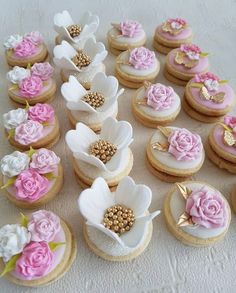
{"x": 106, "y": 85}
{"x": 90, "y": 159}
{"x": 64, "y": 50}
{"x": 96, "y": 50}
{"x": 109, "y": 102}
{"x": 63, "y": 19}
{"x": 88, "y": 30}
{"x": 72, "y": 90}
{"x": 88, "y": 18}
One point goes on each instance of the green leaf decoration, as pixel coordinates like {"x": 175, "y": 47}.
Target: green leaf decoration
{"x": 31, "y": 151}
{"x": 29, "y": 66}
{"x": 54, "y": 245}
{"x": 9, "y": 182}
{"x": 45, "y": 123}
{"x": 13, "y": 87}
{"x": 50, "y": 176}
{"x": 223, "y": 81}
{"x": 196, "y": 84}
{"x": 10, "y": 265}
{"x": 26, "y": 105}
{"x": 24, "y": 220}
{"x": 11, "y": 133}
{"x": 204, "y": 54}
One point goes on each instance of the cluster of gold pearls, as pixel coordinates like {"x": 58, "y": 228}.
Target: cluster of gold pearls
{"x": 74, "y": 30}
{"x": 94, "y": 99}
{"x": 119, "y": 219}
{"x": 81, "y": 59}
{"x": 103, "y": 150}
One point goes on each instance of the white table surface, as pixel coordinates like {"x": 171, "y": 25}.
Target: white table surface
{"x": 167, "y": 265}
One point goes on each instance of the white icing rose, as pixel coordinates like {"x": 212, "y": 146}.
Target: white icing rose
{"x": 12, "y": 41}
{"x": 13, "y": 164}
{"x": 17, "y": 74}
{"x": 211, "y": 85}
{"x": 176, "y": 25}
{"x": 14, "y": 118}
{"x": 13, "y": 239}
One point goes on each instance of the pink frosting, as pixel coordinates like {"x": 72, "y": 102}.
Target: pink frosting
{"x": 35, "y": 261}
{"x": 44, "y": 226}
{"x": 24, "y": 49}
{"x": 184, "y": 34}
{"x": 34, "y": 37}
{"x": 28, "y": 132}
{"x": 159, "y": 96}
{"x": 179, "y": 21}
{"x": 184, "y": 145}
{"x": 207, "y": 208}
{"x": 42, "y": 70}
{"x": 231, "y": 122}
{"x": 218, "y": 134}
{"x": 30, "y": 86}
{"x": 130, "y": 28}
{"x": 186, "y": 48}
{"x": 41, "y": 113}
{"x": 30, "y": 185}
{"x": 44, "y": 161}
{"x": 141, "y": 58}
{"x": 205, "y": 76}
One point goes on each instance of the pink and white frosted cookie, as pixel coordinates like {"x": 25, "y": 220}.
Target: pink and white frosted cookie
{"x": 35, "y": 126}
{"x": 174, "y": 154}
{"x": 125, "y": 35}
{"x": 32, "y": 178}
{"x": 32, "y": 85}
{"x": 171, "y": 34}
{"x": 24, "y": 50}
{"x": 37, "y": 251}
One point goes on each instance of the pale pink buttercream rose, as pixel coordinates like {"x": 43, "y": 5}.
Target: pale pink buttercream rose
{"x": 207, "y": 208}
{"x": 30, "y": 185}
{"x": 24, "y": 49}
{"x": 35, "y": 260}
{"x": 44, "y": 226}
{"x": 28, "y": 132}
{"x": 42, "y": 70}
{"x": 184, "y": 145}
{"x": 192, "y": 51}
{"x": 30, "y": 86}
{"x": 130, "y": 28}
{"x": 159, "y": 96}
{"x": 231, "y": 122}
{"x": 34, "y": 37}
{"x": 41, "y": 113}
{"x": 141, "y": 58}
{"x": 44, "y": 161}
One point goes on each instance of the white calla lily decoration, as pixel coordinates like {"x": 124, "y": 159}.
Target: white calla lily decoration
{"x": 94, "y": 202}
{"x": 116, "y": 132}
{"x": 73, "y": 92}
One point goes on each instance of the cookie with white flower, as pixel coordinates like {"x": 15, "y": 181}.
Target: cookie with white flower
{"x": 83, "y": 63}
{"x": 91, "y": 107}
{"x": 127, "y": 34}
{"x": 208, "y": 97}
{"x": 106, "y": 155}
{"x": 174, "y": 154}
{"x": 155, "y": 104}
{"x": 117, "y": 227}
{"x": 27, "y": 49}
{"x": 183, "y": 63}
{"x": 196, "y": 213}
{"x": 75, "y": 32}
{"x": 32, "y": 178}
{"x": 37, "y": 251}
{"x": 135, "y": 66}
{"x": 171, "y": 34}
{"x": 35, "y": 126}
{"x": 34, "y": 84}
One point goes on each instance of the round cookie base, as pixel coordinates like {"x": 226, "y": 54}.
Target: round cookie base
{"x": 130, "y": 84}
{"x": 161, "y": 48}
{"x": 173, "y": 79}
{"x": 233, "y": 199}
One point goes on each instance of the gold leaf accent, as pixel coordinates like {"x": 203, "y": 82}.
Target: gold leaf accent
{"x": 204, "y": 94}
{"x": 184, "y": 190}
{"x": 229, "y": 138}
{"x": 141, "y": 102}
{"x": 179, "y": 57}
{"x": 190, "y": 64}
{"x": 165, "y": 131}
{"x": 166, "y": 27}
{"x": 217, "y": 98}
{"x": 122, "y": 62}
{"x": 185, "y": 220}
{"x": 163, "y": 147}
{"x": 147, "y": 84}
{"x": 226, "y": 127}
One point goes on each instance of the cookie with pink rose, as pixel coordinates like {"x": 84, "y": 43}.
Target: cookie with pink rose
{"x": 135, "y": 66}
{"x": 174, "y": 154}
{"x": 155, "y": 104}
{"x": 31, "y": 178}
{"x": 196, "y": 213}
{"x": 34, "y": 84}
{"x": 183, "y": 63}
{"x": 21, "y": 50}
{"x": 127, "y": 34}
{"x": 171, "y": 34}
{"x": 37, "y": 250}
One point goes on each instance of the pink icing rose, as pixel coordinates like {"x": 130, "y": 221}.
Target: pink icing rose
{"x": 184, "y": 145}
{"x": 44, "y": 161}
{"x": 35, "y": 261}
{"x": 176, "y": 23}
{"x": 42, "y": 70}
{"x": 28, "y": 132}
{"x": 44, "y": 226}
{"x": 24, "y": 49}
{"x": 30, "y": 185}
{"x": 159, "y": 96}
{"x": 231, "y": 122}
{"x": 130, "y": 28}
{"x": 41, "y": 113}
{"x": 205, "y": 76}
{"x": 34, "y": 37}
{"x": 141, "y": 58}
{"x": 206, "y": 208}
{"x": 30, "y": 86}
{"x": 192, "y": 51}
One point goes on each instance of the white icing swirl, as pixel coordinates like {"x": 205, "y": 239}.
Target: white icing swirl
{"x": 13, "y": 164}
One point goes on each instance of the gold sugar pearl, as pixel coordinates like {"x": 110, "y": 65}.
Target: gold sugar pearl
{"x": 99, "y": 149}
{"x": 74, "y": 30}
{"x": 94, "y": 99}
{"x": 81, "y": 59}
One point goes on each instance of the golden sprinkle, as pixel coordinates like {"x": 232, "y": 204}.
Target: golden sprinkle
{"x": 74, "y": 30}
{"x": 81, "y": 59}
{"x": 94, "y": 99}
{"x": 103, "y": 150}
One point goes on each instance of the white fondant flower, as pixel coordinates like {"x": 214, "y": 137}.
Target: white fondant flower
{"x": 13, "y": 164}
{"x": 13, "y": 239}
{"x": 88, "y": 23}
{"x": 73, "y": 92}
{"x": 116, "y": 132}
{"x": 94, "y": 201}
{"x": 64, "y": 52}
{"x": 211, "y": 85}
{"x": 17, "y": 74}
{"x": 12, "y": 41}
{"x": 14, "y": 118}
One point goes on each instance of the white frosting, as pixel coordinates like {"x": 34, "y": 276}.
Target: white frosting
{"x": 14, "y": 118}
{"x": 168, "y": 159}
{"x": 17, "y": 74}
{"x": 177, "y": 207}
{"x": 13, "y": 164}
{"x": 192, "y": 55}
{"x": 211, "y": 85}
{"x": 115, "y": 34}
{"x": 79, "y": 44}
{"x": 12, "y": 41}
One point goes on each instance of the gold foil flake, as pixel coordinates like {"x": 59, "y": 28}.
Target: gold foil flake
{"x": 123, "y": 62}
{"x": 165, "y": 131}
{"x": 229, "y": 138}
{"x": 163, "y": 147}
{"x": 226, "y": 127}
{"x": 184, "y": 190}
{"x": 147, "y": 84}
{"x": 166, "y": 27}
{"x": 217, "y": 98}
{"x": 180, "y": 58}
{"x": 141, "y": 102}
{"x": 185, "y": 220}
